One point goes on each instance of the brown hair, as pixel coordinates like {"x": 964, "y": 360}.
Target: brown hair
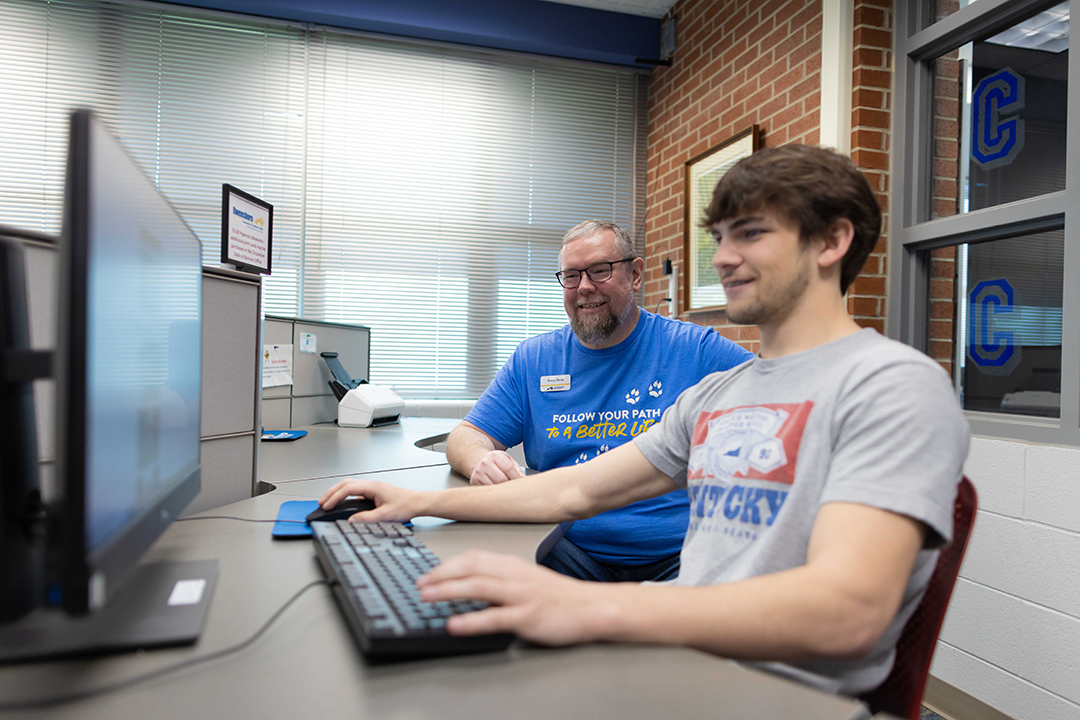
{"x": 810, "y": 186}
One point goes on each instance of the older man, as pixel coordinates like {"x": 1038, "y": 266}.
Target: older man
{"x": 575, "y": 393}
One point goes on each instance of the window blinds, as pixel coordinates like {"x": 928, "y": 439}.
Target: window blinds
{"x": 418, "y": 189}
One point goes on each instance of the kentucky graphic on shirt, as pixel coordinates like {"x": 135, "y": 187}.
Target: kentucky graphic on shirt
{"x": 742, "y": 465}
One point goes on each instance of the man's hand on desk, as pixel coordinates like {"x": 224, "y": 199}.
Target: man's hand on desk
{"x": 392, "y": 503}
{"x": 531, "y": 601}
{"x": 494, "y": 468}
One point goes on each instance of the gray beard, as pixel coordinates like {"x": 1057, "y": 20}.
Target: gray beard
{"x": 596, "y": 330}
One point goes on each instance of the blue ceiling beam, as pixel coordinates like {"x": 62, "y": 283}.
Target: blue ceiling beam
{"x": 532, "y": 26}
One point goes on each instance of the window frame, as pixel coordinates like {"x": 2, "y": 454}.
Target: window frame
{"x": 910, "y": 239}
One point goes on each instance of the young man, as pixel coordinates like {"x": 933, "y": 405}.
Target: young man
{"x": 821, "y": 475}
{"x": 574, "y": 393}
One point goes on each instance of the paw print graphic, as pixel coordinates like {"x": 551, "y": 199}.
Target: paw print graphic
{"x": 603, "y": 449}
{"x": 656, "y": 389}
{"x": 633, "y": 396}
{"x": 581, "y": 458}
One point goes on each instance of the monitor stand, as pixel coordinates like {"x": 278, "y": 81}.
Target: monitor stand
{"x": 140, "y": 616}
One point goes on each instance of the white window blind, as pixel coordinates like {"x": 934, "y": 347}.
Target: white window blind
{"x": 418, "y": 189}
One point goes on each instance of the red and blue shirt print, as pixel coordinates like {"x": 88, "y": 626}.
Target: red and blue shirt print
{"x": 742, "y": 466}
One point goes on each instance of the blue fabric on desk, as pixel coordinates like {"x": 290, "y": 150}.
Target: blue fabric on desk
{"x": 294, "y": 510}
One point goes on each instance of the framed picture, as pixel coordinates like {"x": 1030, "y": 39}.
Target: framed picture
{"x": 702, "y": 289}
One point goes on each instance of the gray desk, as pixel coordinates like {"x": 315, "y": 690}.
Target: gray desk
{"x": 307, "y": 664}
{"x": 330, "y": 451}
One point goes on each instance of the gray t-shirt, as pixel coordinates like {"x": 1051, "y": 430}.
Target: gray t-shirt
{"x": 761, "y": 447}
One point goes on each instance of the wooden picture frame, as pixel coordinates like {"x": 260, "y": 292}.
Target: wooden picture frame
{"x": 701, "y": 287}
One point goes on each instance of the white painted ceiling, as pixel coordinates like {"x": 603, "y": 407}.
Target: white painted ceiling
{"x": 648, "y": 8}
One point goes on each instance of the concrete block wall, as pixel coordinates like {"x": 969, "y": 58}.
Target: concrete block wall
{"x": 1012, "y": 635}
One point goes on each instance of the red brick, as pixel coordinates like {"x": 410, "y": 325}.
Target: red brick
{"x": 749, "y": 332}
{"x": 805, "y": 51}
{"x": 874, "y": 17}
{"x": 873, "y": 37}
{"x": 808, "y": 18}
{"x": 941, "y": 289}
{"x": 869, "y": 139}
{"x": 943, "y": 208}
{"x": 867, "y": 98}
{"x": 865, "y": 117}
{"x": 946, "y": 128}
{"x": 941, "y": 349}
{"x": 868, "y": 57}
{"x": 946, "y": 88}
{"x": 788, "y": 79}
{"x": 864, "y": 285}
{"x": 804, "y": 88}
{"x": 941, "y": 329}
{"x": 942, "y": 309}
{"x": 945, "y": 168}
{"x": 872, "y": 159}
{"x": 863, "y": 305}
{"x": 869, "y": 77}
{"x": 945, "y": 252}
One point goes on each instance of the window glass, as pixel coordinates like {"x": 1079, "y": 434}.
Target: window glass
{"x": 999, "y": 304}
{"x": 1000, "y": 116}
{"x": 941, "y": 9}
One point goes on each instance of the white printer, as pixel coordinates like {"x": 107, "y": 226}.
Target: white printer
{"x": 369, "y": 406}
{"x": 361, "y": 404}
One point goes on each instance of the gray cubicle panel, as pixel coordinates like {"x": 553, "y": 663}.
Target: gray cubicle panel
{"x": 231, "y": 352}
{"x": 277, "y": 331}
{"x": 311, "y": 376}
{"x": 230, "y": 361}
{"x": 309, "y": 399}
{"x": 277, "y": 413}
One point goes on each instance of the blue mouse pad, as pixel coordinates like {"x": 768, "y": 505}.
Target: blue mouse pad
{"x": 282, "y": 435}
{"x": 294, "y": 510}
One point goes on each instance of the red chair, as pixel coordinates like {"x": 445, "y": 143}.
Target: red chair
{"x": 901, "y": 693}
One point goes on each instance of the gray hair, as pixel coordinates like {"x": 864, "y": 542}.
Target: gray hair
{"x": 623, "y": 241}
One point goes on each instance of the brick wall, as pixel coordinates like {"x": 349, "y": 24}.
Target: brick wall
{"x": 741, "y": 62}
{"x": 738, "y": 62}
{"x": 871, "y": 106}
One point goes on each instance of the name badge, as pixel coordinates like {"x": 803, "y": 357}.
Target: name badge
{"x": 554, "y": 383}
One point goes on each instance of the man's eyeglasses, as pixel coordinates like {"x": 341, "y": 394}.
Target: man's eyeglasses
{"x": 597, "y": 273}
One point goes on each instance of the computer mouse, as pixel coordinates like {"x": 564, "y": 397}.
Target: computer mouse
{"x": 342, "y": 511}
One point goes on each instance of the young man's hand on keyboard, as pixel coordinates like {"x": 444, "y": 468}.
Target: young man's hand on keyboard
{"x": 531, "y": 601}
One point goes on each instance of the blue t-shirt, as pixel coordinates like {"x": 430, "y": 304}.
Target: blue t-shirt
{"x": 568, "y": 403}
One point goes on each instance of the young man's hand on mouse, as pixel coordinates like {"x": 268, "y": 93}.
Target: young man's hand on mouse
{"x": 392, "y": 504}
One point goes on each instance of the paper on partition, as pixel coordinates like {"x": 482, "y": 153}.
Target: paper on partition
{"x": 277, "y": 365}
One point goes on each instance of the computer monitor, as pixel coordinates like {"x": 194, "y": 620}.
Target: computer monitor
{"x": 20, "y": 556}
{"x": 127, "y": 369}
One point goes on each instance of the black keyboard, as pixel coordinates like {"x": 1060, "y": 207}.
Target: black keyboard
{"x": 376, "y": 566}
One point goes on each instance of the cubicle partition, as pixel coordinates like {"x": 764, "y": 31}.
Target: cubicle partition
{"x": 231, "y": 347}
{"x": 309, "y": 400}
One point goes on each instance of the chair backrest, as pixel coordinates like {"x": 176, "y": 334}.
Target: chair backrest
{"x": 901, "y": 693}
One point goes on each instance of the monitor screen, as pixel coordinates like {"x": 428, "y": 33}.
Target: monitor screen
{"x": 128, "y": 365}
